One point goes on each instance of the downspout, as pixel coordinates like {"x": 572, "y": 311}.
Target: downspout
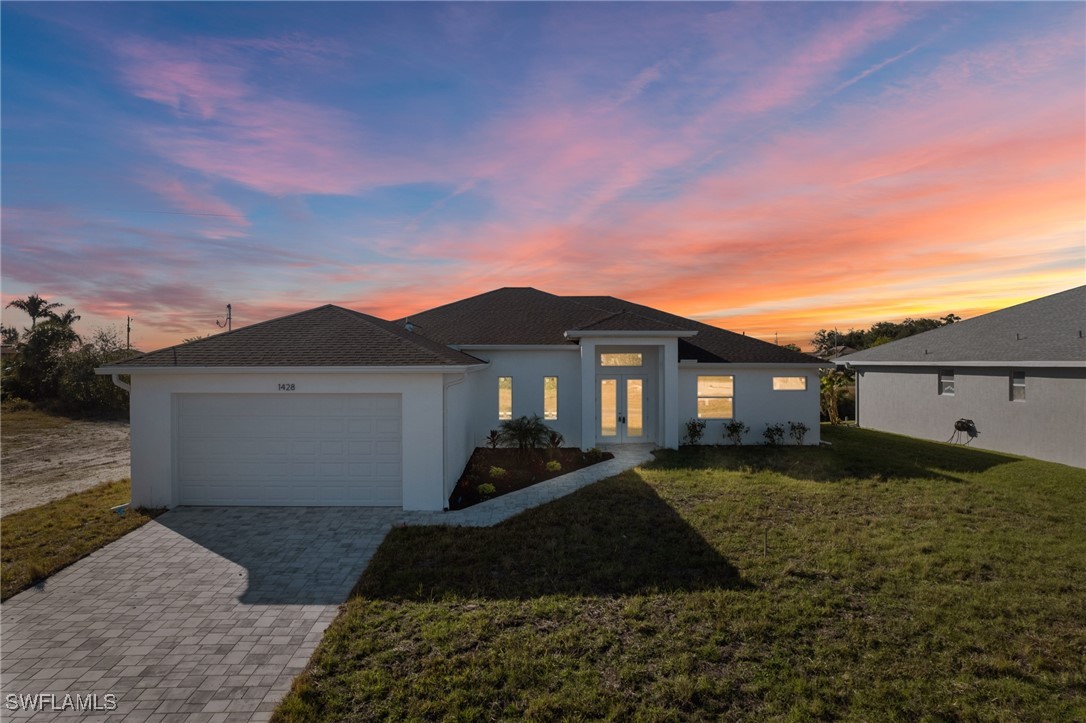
{"x": 445, "y": 430}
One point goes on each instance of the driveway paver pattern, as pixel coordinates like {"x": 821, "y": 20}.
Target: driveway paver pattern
{"x": 202, "y": 614}
{"x": 208, "y": 613}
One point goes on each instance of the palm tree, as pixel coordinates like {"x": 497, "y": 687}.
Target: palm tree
{"x": 68, "y": 318}
{"x": 831, "y": 385}
{"x": 36, "y": 308}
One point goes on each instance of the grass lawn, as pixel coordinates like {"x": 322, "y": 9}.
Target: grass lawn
{"x": 882, "y": 578}
{"x": 38, "y": 542}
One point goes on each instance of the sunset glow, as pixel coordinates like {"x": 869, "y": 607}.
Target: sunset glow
{"x": 770, "y": 168}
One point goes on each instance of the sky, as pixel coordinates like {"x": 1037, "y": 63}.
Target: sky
{"x": 772, "y": 168}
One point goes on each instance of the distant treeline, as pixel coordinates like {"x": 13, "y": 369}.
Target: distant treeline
{"x": 52, "y": 366}
{"x": 826, "y": 340}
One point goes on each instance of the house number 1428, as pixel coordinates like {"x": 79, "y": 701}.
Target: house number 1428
{"x": 286, "y": 387}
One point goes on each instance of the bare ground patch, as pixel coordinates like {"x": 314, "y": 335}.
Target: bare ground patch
{"x": 46, "y": 461}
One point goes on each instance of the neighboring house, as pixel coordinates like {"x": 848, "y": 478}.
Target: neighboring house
{"x": 1019, "y": 374}
{"x": 334, "y": 407}
{"x": 836, "y": 352}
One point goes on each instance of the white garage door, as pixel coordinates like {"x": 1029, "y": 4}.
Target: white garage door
{"x": 289, "y": 449}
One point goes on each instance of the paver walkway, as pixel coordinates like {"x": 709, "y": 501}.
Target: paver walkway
{"x": 208, "y": 613}
{"x": 499, "y": 509}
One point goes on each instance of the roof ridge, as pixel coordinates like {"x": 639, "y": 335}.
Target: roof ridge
{"x": 391, "y": 328}
{"x": 474, "y": 297}
{"x": 223, "y": 334}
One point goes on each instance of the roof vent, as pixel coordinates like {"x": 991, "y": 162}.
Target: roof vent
{"x": 409, "y": 326}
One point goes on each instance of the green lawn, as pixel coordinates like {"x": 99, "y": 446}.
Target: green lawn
{"x": 881, "y": 578}
{"x": 38, "y": 542}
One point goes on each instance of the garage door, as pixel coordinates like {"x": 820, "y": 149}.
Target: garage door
{"x": 289, "y": 449}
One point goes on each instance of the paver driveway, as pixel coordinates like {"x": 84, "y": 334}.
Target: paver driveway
{"x": 202, "y": 614}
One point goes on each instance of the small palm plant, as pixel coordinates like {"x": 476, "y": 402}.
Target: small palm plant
{"x": 525, "y": 433}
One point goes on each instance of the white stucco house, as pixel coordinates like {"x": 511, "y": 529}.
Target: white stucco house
{"x": 334, "y": 407}
{"x": 1019, "y": 374}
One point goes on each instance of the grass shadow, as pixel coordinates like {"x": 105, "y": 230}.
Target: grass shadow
{"x": 616, "y": 537}
{"x": 855, "y": 453}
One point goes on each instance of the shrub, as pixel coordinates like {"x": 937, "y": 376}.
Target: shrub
{"x": 556, "y": 439}
{"x": 486, "y": 489}
{"x": 525, "y": 433}
{"x": 734, "y": 431}
{"x": 774, "y": 434}
{"x": 797, "y": 431}
{"x": 594, "y": 455}
{"x": 497, "y": 472}
{"x": 695, "y": 428}
{"x": 493, "y": 439}
{"x": 554, "y": 466}
{"x": 15, "y": 404}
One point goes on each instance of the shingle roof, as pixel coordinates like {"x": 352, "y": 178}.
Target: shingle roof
{"x": 326, "y": 336}
{"x": 627, "y": 321}
{"x": 506, "y": 316}
{"x": 712, "y": 344}
{"x": 1046, "y": 329}
{"x": 530, "y": 316}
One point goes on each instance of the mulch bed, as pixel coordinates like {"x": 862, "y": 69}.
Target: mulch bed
{"x": 521, "y": 470}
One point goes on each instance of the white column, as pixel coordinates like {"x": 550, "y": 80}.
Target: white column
{"x": 671, "y": 394}
{"x": 588, "y": 394}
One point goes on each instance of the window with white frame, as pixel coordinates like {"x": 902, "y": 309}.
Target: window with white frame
{"x": 716, "y": 397}
{"x": 946, "y": 382}
{"x": 789, "y": 384}
{"x": 505, "y": 397}
{"x": 1018, "y": 386}
{"x": 550, "y": 398}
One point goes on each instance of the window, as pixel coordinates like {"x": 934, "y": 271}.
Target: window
{"x": 1018, "y": 386}
{"x": 620, "y": 360}
{"x": 550, "y": 397}
{"x": 715, "y": 397}
{"x": 505, "y": 397}
{"x": 789, "y": 384}
{"x": 946, "y": 382}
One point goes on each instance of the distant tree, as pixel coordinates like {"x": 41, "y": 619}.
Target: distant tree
{"x": 68, "y": 318}
{"x": 9, "y": 334}
{"x": 79, "y": 389}
{"x": 793, "y": 347}
{"x": 826, "y": 340}
{"x": 188, "y": 339}
{"x": 33, "y": 373}
{"x": 35, "y": 307}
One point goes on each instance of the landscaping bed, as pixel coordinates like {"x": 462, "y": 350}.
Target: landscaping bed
{"x": 508, "y": 470}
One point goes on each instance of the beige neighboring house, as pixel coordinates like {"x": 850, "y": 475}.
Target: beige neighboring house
{"x": 1018, "y": 374}
{"x": 335, "y": 407}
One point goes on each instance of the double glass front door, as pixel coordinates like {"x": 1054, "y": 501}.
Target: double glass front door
{"x": 621, "y": 409}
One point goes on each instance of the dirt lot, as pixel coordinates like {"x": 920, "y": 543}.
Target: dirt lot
{"x": 46, "y": 457}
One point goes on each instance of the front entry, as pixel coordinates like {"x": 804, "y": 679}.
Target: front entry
{"x": 621, "y": 409}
